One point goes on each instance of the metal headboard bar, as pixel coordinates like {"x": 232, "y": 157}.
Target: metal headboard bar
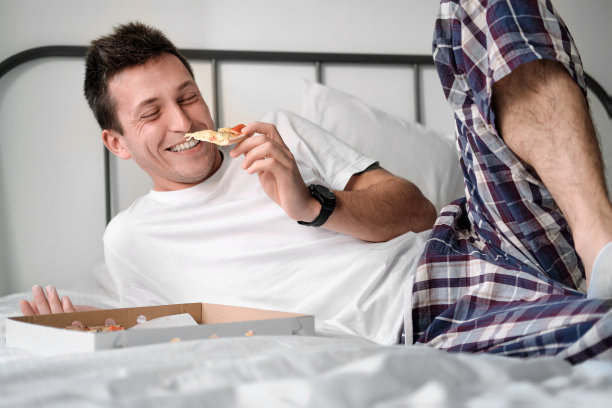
{"x": 215, "y": 88}
{"x": 318, "y": 59}
{"x": 265, "y": 56}
{"x": 416, "y": 78}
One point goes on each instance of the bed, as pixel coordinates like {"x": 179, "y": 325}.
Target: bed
{"x": 331, "y": 368}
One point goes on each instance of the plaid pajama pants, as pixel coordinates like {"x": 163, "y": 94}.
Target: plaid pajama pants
{"x": 499, "y": 273}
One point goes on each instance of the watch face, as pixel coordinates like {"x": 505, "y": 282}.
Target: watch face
{"x": 325, "y": 192}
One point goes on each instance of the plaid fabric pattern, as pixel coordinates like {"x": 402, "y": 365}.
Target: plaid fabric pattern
{"x": 499, "y": 273}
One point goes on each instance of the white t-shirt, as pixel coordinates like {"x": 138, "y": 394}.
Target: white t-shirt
{"x": 225, "y": 241}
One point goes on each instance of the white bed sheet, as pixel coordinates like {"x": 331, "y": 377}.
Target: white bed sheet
{"x": 289, "y": 371}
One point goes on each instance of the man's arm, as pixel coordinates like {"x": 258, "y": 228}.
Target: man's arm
{"x": 543, "y": 116}
{"x": 374, "y": 206}
{"x": 377, "y": 206}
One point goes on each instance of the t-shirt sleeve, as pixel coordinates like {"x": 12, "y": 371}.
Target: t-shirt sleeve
{"x": 321, "y": 156}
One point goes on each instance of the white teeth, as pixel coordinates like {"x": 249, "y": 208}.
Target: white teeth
{"x": 184, "y": 146}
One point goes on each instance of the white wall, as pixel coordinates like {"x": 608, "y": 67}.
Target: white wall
{"x": 383, "y": 26}
{"x": 38, "y": 247}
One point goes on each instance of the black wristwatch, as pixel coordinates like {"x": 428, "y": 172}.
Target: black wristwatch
{"x": 327, "y": 198}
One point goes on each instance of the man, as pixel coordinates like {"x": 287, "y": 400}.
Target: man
{"x": 506, "y": 267}
{"x": 266, "y": 231}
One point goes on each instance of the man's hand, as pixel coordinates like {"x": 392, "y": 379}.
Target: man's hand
{"x": 48, "y": 301}
{"x": 374, "y": 206}
{"x": 266, "y": 154}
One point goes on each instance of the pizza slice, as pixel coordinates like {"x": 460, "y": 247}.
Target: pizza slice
{"x": 222, "y": 137}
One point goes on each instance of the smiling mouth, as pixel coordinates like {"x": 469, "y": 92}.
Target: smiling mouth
{"x": 184, "y": 146}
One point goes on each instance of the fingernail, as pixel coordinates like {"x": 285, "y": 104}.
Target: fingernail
{"x": 49, "y": 288}
{"x": 36, "y": 287}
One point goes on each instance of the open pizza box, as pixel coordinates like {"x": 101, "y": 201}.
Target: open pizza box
{"x": 47, "y": 334}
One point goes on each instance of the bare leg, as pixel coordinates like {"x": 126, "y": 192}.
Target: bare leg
{"x": 544, "y": 118}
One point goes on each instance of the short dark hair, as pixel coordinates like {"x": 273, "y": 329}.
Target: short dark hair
{"x": 128, "y": 45}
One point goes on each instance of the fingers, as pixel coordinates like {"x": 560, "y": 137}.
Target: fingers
{"x": 249, "y": 144}
{"x": 267, "y": 129}
{"x": 67, "y": 305}
{"x": 259, "y": 147}
{"x": 53, "y": 300}
{"x": 34, "y": 307}
{"x": 263, "y": 133}
{"x": 40, "y": 298}
{"x": 46, "y": 302}
{"x": 26, "y": 308}
{"x": 267, "y": 156}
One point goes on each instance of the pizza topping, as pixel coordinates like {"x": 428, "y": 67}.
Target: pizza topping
{"x": 94, "y": 329}
{"x": 230, "y": 131}
{"x": 239, "y": 127}
{"x": 109, "y": 326}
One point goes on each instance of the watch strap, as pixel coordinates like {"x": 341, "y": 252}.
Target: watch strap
{"x": 327, "y": 205}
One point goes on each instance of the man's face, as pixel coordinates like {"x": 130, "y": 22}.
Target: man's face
{"x": 157, "y": 103}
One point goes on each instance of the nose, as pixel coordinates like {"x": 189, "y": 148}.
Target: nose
{"x": 179, "y": 121}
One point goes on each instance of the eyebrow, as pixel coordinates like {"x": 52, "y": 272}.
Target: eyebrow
{"x": 186, "y": 84}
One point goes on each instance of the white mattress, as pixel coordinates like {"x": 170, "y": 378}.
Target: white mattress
{"x": 319, "y": 371}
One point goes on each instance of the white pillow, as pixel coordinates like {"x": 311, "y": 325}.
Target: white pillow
{"x": 409, "y": 150}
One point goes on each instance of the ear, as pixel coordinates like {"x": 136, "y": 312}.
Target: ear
{"x": 115, "y": 143}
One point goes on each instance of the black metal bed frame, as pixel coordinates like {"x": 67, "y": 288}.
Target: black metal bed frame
{"x": 317, "y": 59}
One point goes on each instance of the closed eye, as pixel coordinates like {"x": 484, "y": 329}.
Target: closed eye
{"x": 150, "y": 114}
{"x": 189, "y": 99}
